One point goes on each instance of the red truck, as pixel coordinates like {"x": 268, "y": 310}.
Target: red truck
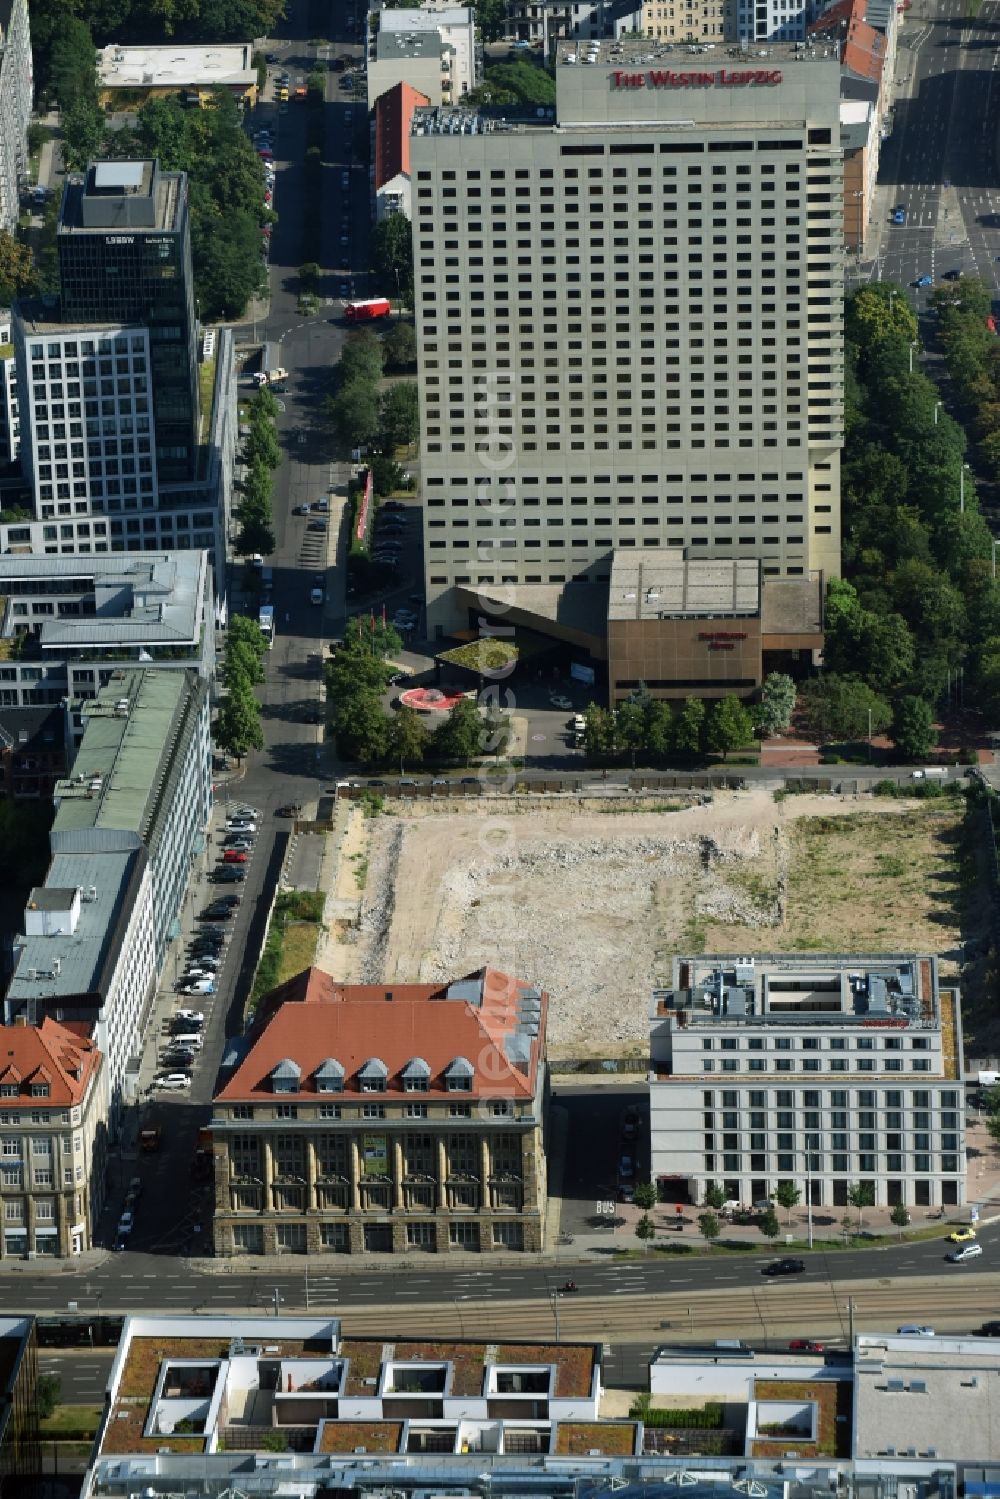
{"x": 357, "y": 312}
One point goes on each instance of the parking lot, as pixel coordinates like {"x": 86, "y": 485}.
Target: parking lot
{"x": 205, "y": 979}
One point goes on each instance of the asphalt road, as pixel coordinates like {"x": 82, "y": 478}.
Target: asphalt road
{"x": 941, "y": 158}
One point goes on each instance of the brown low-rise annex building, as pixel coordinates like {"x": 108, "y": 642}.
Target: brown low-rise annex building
{"x": 705, "y": 628}
{"x": 372, "y": 1119}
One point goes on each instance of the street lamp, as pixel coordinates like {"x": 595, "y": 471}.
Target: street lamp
{"x": 937, "y": 408}
{"x": 961, "y": 488}
{"x": 912, "y": 347}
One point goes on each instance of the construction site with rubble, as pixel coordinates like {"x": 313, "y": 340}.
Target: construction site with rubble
{"x": 590, "y": 899}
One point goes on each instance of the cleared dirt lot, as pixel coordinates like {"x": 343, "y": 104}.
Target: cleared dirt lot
{"x": 592, "y": 905}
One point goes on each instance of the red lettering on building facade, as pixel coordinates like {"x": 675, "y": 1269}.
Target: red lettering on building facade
{"x": 721, "y": 77}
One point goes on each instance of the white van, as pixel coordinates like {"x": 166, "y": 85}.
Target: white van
{"x": 190, "y": 1040}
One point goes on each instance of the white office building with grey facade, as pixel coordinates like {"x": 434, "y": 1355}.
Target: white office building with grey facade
{"x": 819, "y": 1070}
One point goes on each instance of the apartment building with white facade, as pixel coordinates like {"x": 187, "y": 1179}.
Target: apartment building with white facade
{"x": 433, "y": 49}
{"x": 820, "y": 1070}
{"x": 16, "y": 90}
{"x": 70, "y": 621}
{"x": 141, "y": 778}
{"x": 10, "y": 426}
{"x": 549, "y": 21}
{"x": 130, "y": 823}
{"x": 629, "y": 323}
{"x": 87, "y": 955}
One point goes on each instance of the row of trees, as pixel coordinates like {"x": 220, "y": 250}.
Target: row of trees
{"x": 238, "y": 728}
{"x": 919, "y": 611}
{"x": 646, "y": 725}
{"x": 390, "y": 252}
{"x": 356, "y": 683}
{"x": 225, "y": 188}
{"x": 972, "y": 355}
{"x": 361, "y": 413}
{"x": 261, "y": 456}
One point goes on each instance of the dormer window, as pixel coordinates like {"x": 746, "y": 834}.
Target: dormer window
{"x": 459, "y": 1075}
{"x": 8, "y": 1090}
{"x": 286, "y": 1077}
{"x": 329, "y": 1076}
{"x": 373, "y": 1076}
{"x": 416, "y": 1076}
{"x": 39, "y": 1090}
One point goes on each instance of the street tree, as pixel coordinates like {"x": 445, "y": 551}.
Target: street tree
{"x": 598, "y": 730}
{"x": 354, "y": 413}
{"x": 391, "y": 254}
{"x": 245, "y": 632}
{"x": 261, "y": 445}
{"x": 913, "y": 731}
{"x": 630, "y": 728}
{"x": 644, "y": 1196}
{"x": 401, "y": 414}
{"x": 837, "y": 709}
{"x": 769, "y": 1225}
{"x": 900, "y": 1217}
{"x": 714, "y": 1196}
{"x": 461, "y": 735}
{"x": 861, "y": 1195}
{"x": 400, "y": 345}
{"x": 709, "y": 1227}
{"x": 241, "y": 664}
{"x": 690, "y": 727}
{"x": 255, "y": 532}
{"x": 48, "y": 1393}
{"x": 362, "y": 358}
{"x": 387, "y": 475}
{"x": 773, "y": 714}
{"x": 361, "y": 728}
{"x": 15, "y": 267}
{"x": 659, "y": 727}
{"x": 788, "y": 1197}
{"x": 408, "y": 738}
{"x": 728, "y": 726}
{"x": 645, "y": 1229}
{"x": 238, "y": 727}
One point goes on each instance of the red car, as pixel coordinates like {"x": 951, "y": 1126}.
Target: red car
{"x": 806, "y": 1345}
{"x": 234, "y": 856}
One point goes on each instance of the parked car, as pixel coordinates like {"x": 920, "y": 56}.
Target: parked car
{"x": 189, "y": 1017}
{"x": 626, "y": 1168}
{"x": 198, "y": 986}
{"x": 242, "y": 825}
{"x": 290, "y": 809}
{"x": 965, "y": 1252}
{"x": 318, "y": 524}
{"x": 216, "y": 913}
{"x": 952, "y": 275}
{"x": 126, "y": 1223}
{"x": 235, "y": 856}
{"x": 228, "y": 874}
{"x": 914, "y": 1330}
{"x": 239, "y": 842}
{"x": 962, "y": 1235}
{"x": 323, "y": 505}
{"x": 191, "y": 975}
{"x": 243, "y": 810}
{"x": 172, "y": 1081}
{"x": 305, "y": 509}
{"x": 806, "y": 1345}
{"x": 784, "y": 1267}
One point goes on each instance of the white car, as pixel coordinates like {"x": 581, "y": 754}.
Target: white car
{"x": 240, "y": 825}
{"x": 173, "y": 1081}
{"x": 202, "y": 971}
{"x": 197, "y": 986}
{"x": 244, "y": 811}
{"x": 192, "y": 1017}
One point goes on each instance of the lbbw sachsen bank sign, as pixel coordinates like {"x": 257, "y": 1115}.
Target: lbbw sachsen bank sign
{"x": 718, "y": 78}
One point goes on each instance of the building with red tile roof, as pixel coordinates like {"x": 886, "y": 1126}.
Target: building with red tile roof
{"x": 364, "y": 1117}
{"x": 393, "y": 117}
{"x": 53, "y": 1108}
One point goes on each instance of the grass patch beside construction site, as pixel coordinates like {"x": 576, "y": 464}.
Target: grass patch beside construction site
{"x": 291, "y": 940}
